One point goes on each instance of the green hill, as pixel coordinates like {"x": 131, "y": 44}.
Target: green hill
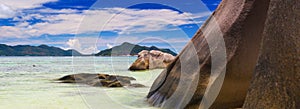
{"x": 130, "y": 49}
{"x": 42, "y": 50}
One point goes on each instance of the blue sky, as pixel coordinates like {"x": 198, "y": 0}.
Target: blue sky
{"x": 92, "y": 25}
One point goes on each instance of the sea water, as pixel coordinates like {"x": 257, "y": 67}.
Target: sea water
{"x": 29, "y": 83}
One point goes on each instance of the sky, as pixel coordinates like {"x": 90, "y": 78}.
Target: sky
{"x": 89, "y": 26}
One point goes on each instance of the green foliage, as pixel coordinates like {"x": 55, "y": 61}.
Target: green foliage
{"x": 44, "y": 50}
{"x": 130, "y": 49}
{"x": 27, "y": 50}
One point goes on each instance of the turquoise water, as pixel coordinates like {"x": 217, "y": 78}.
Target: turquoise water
{"x": 23, "y": 86}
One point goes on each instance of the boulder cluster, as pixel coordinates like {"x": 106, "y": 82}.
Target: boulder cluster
{"x": 151, "y": 60}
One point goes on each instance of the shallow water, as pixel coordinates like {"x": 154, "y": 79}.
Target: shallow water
{"x": 28, "y": 83}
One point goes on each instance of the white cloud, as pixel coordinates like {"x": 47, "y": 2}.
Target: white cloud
{"x": 10, "y": 8}
{"x": 108, "y": 42}
{"x": 124, "y": 21}
{"x": 74, "y": 43}
{"x": 6, "y": 11}
{"x": 61, "y": 11}
{"x": 175, "y": 43}
{"x": 10, "y": 31}
{"x": 216, "y": 3}
{"x": 109, "y": 45}
{"x": 36, "y": 42}
{"x": 24, "y": 4}
{"x": 83, "y": 45}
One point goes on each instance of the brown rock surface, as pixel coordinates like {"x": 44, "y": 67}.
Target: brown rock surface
{"x": 99, "y": 80}
{"x": 151, "y": 60}
{"x": 243, "y": 23}
{"x": 277, "y": 75}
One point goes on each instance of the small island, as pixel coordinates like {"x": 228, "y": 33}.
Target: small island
{"x": 42, "y": 50}
{"x": 125, "y": 49}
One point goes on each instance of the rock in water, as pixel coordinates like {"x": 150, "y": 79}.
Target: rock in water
{"x": 186, "y": 82}
{"x": 151, "y": 60}
{"x": 136, "y": 85}
{"x": 100, "y": 80}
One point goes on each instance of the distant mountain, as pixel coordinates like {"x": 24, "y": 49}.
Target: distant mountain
{"x": 42, "y": 50}
{"x": 45, "y": 50}
{"x": 130, "y": 49}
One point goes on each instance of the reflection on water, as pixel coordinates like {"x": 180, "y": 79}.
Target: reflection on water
{"x": 28, "y": 82}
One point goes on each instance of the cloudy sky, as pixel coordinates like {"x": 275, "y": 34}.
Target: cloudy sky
{"x": 92, "y": 25}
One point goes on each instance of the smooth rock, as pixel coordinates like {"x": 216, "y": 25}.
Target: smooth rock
{"x": 151, "y": 60}
{"x": 98, "y": 80}
{"x": 136, "y": 85}
{"x": 242, "y": 25}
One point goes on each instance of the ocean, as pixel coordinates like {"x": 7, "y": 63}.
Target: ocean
{"x": 28, "y": 83}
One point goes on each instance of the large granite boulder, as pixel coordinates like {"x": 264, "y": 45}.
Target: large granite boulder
{"x": 151, "y": 60}
{"x": 100, "y": 80}
{"x": 275, "y": 84}
{"x": 260, "y": 36}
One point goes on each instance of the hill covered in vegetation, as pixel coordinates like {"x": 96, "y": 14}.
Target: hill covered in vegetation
{"x": 42, "y": 50}
{"x": 130, "y": 49}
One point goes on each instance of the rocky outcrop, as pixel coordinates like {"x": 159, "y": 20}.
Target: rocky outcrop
{"x": 215, "y": 69}
{"x": 151, "y": 60}
{"x": 100, "y": 80}
{"x": 275, "y": 84}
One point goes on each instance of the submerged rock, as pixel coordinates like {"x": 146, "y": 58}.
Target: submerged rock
{"x": 136, "y": 85}
{"x": 151, "y": 60}
{"x": 98, "y": 80}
